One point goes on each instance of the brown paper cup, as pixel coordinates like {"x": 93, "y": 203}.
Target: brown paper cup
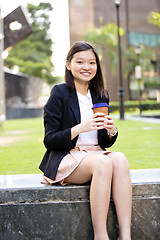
{"x": 101, "y": 109}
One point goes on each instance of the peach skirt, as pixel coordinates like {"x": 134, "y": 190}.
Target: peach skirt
{"x": 71, "y": 161}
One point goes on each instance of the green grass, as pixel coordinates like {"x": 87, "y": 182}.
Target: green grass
{"x": 139, "y": 141}
{"x": 24, "y": 154}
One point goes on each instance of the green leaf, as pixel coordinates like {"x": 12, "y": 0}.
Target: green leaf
{"x": 33, "y": 54}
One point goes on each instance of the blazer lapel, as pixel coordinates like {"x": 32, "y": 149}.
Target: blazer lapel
{"x": 75, "y": 105}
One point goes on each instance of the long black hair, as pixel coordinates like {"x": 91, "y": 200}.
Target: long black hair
{"x": 97, "y": 83}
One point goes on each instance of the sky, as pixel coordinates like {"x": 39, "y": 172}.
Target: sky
{"x": 59, "y": 28}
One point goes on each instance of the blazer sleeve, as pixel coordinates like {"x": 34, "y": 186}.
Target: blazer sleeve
{"x": 56, "y": 137}
{"x": 105, "y": 140}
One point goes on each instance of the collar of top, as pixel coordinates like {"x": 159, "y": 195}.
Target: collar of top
{"x": 83, "y": 98}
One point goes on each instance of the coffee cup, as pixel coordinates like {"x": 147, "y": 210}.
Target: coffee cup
{"x": 101, "y": 107}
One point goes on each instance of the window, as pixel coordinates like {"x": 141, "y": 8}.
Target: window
{"x": 149, "y": 40}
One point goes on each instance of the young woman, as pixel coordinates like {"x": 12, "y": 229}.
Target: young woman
{"x": 76, "y": 141}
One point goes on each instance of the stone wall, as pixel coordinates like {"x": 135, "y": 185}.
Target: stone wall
{"x": 21, "y": 90}
{"x": 22, "y": 94}
{"x": 29, "y": 210}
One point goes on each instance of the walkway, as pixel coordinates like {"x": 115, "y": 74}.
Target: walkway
{"x": 137, "y": 118}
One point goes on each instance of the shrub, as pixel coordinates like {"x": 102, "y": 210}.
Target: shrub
{"x": 131, "y": 106}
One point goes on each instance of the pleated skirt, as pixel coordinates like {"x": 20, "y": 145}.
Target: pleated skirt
{"x": 71, "y": 161}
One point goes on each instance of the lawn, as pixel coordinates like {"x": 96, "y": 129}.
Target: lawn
{"x": 140, "y": 141}
{"x": 21, "y": 145}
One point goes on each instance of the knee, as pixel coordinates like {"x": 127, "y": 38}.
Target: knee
{"x": 120, "y": 161}
{"x": 103, "y": 165}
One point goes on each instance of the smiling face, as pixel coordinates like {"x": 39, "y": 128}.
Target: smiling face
{"x": 83, "y": 66}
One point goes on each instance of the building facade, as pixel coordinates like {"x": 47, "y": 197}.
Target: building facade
{"x": 86, "y": 14}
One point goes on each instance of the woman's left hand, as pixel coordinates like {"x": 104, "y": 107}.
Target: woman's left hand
{"x": 109, "y": 125}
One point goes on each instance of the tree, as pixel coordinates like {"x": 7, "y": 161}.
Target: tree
{"x": 105, "y": 39}
{"x": 144, "y": 59}
{"x": 33, "y": 55}
{"x": 154, "y": 18}
{"x": 147, "y": 54}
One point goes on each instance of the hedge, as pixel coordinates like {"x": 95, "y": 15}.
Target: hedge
{"x": 131, "y": 106}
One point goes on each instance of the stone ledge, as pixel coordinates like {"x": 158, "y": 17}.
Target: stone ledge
{"x": 30, "y": 210}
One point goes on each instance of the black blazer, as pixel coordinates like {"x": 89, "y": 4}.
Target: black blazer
{"x": 61, "y": 113}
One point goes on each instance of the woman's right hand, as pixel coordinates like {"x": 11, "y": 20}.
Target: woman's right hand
{"x": 96, "y": 122}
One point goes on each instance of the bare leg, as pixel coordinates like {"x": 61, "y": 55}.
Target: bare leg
{"x": 98, "y": 169}
{"x": 122, "y": 193}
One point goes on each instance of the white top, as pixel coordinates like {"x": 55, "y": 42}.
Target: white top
{"x": 85, "y": 104}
